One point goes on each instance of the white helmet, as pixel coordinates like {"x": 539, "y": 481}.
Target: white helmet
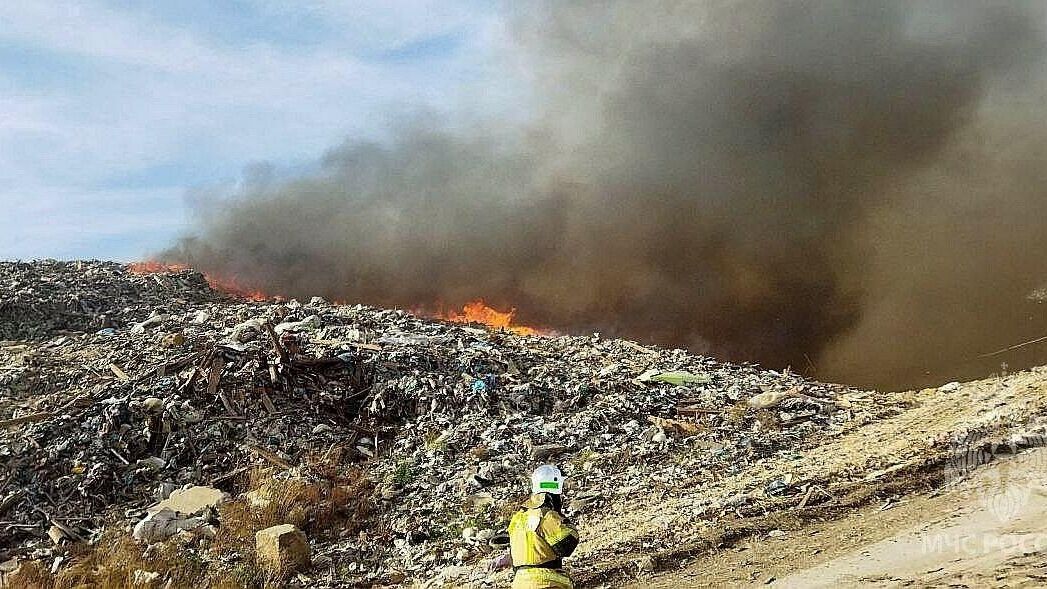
{"x": 547, "y": 479}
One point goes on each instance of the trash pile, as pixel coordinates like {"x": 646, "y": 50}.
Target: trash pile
{"x": 120, "y": 390}
{"x": 41, "y": 298}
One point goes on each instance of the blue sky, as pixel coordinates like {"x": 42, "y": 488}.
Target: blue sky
{"x": 110, "y": 110}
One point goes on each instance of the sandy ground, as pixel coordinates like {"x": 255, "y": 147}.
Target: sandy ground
{"x": 986, "y": 530}
{"x": 916, "y": 428}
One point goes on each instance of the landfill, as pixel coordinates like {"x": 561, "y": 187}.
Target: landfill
{"x": 122, "y": 390}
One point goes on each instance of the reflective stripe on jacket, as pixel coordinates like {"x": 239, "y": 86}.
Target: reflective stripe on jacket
{"x": 533, "y": 533}
{"x": 541, "y": 579}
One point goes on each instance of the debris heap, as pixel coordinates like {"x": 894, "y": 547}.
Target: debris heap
{"x": 42, "y": 298}
{"x": 116, "y": 389}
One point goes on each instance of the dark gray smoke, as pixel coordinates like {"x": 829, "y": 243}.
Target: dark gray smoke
{"x": 851, "y": 188}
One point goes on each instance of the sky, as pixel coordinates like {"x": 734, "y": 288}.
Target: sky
{"x": 112, "y": 112}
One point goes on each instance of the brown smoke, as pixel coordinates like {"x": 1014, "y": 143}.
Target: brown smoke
{"x": 852, "y": 186}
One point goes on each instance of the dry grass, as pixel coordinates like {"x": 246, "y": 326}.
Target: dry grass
{"x": 322, "y": 508}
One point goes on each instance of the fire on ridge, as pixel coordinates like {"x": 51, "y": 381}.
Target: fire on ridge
{"x": 476, "y": 311}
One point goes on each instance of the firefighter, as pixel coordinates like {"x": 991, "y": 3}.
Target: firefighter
{"x": 540, "y": 536}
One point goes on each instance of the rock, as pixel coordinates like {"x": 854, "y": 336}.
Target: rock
{"x": 646, "y": 564}
{"x": 777, "y": 534}
{"x": 153, "y": 404}
{"x": 949, "y": 387}
{"x": 468, "y": 533}
{"x": 282, "y": 550}
{"x": 659, "y": 437}
{"x": 160, "y": 525}
{"x": 191, "y": 500}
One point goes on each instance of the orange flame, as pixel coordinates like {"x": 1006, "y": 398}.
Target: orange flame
{"x": 151, "y": 267}
{"x": 473, "y": 312}
{"x": 231, "y": 287}
{"x": 219, "y": 283}
{"x": 478, "y": 312}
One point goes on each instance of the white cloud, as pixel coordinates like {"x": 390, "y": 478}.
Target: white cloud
{"x": 166, "y": 107}
{"x": 387, "y": 24}
{"x": 50, "y": 221}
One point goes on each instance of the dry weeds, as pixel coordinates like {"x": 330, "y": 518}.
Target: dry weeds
{"x": 322, "y": 506}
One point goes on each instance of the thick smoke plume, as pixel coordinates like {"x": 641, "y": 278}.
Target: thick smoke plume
{"x": 854, "y": 189}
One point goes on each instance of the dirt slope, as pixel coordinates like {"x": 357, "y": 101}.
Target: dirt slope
{"x": 985, "y": 527}
{"x": 988, "y": 530}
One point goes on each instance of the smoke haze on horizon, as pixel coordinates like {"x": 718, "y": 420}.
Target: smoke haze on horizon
{"x": 852, "y": 186}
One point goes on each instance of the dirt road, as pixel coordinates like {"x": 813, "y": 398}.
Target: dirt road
{"x": 987, "y": 530}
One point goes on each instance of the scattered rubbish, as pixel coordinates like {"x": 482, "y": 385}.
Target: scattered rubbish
{"x": 675, "y": 377}
{"x": 188, "y": 390}
{"x": 771, "y": 399}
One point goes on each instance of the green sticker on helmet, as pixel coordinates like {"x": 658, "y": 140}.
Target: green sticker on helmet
{"x": 549, "y": 486}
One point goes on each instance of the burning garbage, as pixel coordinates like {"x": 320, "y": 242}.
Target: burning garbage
{"x": 478, "y": 312}
{"x": 153, "y": 403}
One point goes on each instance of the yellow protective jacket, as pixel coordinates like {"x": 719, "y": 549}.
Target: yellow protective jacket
{"x": 539, "y": 538}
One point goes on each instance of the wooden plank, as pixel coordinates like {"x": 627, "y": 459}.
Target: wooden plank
{"x": 806, "y": 496}
{"x": 268, "y": 455}
{"x": 267, "y": 402}
{"x": 119, "y": 372}
{"x": 229, "y": 475}
{"x": 280, "y": 352}
{"x": 31, "y": 418}
{"x": 214, "y": 377}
